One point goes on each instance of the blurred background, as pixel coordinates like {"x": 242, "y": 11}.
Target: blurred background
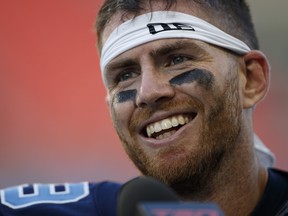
{"x": 54, "y": 123}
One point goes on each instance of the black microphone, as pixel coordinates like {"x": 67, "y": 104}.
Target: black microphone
{"x": 142, "y": 189}
{"x": 145, "y": 196}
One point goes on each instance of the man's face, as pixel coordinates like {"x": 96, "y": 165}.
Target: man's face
{"x": 175, "y": 105}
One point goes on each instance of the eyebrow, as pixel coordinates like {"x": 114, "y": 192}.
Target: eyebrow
{"x": 162, "y": 50}
{"x": 178, "y": 45}
{"x": 121, "y": 64}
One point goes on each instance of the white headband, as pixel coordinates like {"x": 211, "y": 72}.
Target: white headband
{"x": 165, "y": 24}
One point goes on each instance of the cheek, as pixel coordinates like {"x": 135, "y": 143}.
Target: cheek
{"x": 203, "y": 78}
{"x": 199, "y": 83}
{"x": 125, "y": 96}
{"x": 121, "y": 108}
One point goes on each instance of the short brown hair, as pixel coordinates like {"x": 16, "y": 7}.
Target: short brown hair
{"x": 232, "y": 16}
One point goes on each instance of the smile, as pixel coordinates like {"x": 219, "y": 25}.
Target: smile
{"x": 167, "y": 127}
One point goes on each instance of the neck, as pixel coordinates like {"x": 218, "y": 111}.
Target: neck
{"x": 239, "y": 183}
{"x": 238, "y": 190}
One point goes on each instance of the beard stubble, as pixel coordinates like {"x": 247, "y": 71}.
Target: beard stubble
{"x": 191, "y": 172}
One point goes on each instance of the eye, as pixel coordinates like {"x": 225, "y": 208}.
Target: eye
{"x": 178, "y": 60}
{"x": 126, "y": 76}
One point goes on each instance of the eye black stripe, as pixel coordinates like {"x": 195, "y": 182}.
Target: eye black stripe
{"x": 128, "y": 95}
{"x": 203, "y": 77}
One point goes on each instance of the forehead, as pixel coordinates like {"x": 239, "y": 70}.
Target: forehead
{"x": 121, "y": 17}
{"x": 159, "y": 48}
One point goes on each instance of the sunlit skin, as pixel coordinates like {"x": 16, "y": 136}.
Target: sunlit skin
{"x": 157, "y": 99}
{"x": 212, "y": 155}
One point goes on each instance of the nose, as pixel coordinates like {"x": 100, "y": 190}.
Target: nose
{"x": 154, "y": 88}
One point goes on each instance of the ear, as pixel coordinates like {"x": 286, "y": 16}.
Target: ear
{"x": 256, "y": 78}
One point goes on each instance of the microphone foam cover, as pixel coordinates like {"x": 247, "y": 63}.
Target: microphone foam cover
{"x": 142, "y": 189}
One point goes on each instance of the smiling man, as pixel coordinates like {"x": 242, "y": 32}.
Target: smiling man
{"x": 183, "y": 78}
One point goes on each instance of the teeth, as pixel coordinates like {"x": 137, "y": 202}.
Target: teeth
{"x": 181, "y": 120}
{"x": 174, "y": 122}
{"x": 166, "y": 124}
{"x": 162, "y": 136}
{"x": 148, "y": 131}
{"x": 152, "y": 129}
{"x": 157, "y": 127}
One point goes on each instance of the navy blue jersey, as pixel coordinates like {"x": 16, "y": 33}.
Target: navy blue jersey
{"x": 99, "y": 199}
{"x": 77, "y": 199}
{"x": 275, "y": 198}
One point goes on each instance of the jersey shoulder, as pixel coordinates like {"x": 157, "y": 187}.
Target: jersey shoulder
{"x": 275, "y": 198}
{"x": 71, "y": 199}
